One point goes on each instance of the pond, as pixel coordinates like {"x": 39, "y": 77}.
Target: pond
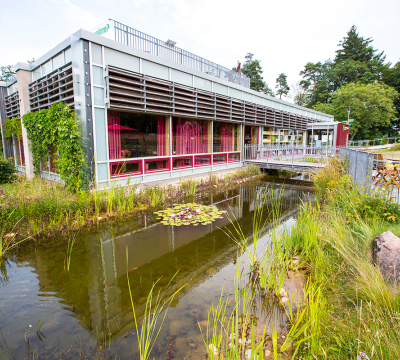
{"x": 49, "y": 313}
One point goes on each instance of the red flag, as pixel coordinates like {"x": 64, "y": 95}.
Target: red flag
{"x": 239, "y": 69}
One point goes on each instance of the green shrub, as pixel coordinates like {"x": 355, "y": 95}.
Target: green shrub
{"x": 7, "y": 170}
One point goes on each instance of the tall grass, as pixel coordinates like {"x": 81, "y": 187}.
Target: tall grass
{"x": 156, "y": 309}
{"x": 349, "y": 306}
{"x": 42, "y": 208}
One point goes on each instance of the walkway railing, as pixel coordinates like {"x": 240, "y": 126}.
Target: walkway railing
{"x": 374, "y": 172}
{"x": 369, "y": 143}
{"x": 295, "y": 155}
{"x": 129, "y": 36}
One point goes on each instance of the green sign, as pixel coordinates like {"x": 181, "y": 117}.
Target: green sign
{"x": 102, "y": 30}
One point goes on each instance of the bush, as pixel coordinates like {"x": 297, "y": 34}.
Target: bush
{"x": 7, "y": 170}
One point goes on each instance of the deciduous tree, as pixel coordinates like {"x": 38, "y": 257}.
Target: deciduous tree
{"x": 372, "y": 107}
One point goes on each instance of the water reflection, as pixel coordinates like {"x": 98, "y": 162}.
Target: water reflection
{"x": 91, "y": 303}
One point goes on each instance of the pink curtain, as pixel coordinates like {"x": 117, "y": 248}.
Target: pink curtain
{"x": 114, "y": 135}
{"x": 161, "y": 136}
{"x": 226, "y": 137}
{"x": 191, "y": 136}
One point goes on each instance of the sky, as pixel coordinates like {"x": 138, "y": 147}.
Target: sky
{"x": 284, "y": 35}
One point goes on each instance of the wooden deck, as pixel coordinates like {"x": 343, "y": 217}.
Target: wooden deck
{"x": 287, "y": 165}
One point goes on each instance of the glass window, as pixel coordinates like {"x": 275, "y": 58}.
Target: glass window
{"x": 37, "y": 73}
{"x": 133, "y": 135}
{"x": 233, "y": 157}
{"x": 202, "y": 160}
{"x": 125, "y": 168}
{"x": 58, "y": 61}
{"x": 190, "y": 136}
{"x": 67, "y": 56}
{"x": 98, "y": 78}
{"x": 19, "y": 152}
{"x": 181, "y": 162}
{"x": 98, "y": 95}
{"x": 53, "y": 156}
{"x": 97, "y": 57}
{"x": 225, "y": 137}
{"x": 47, "y": 68}
{"x": 156, "y": 165}
{"x": 219, "y": 158}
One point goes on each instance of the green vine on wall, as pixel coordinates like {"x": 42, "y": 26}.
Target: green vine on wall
{"x": 13, "y": 127}
{"x": 57, "y": 126}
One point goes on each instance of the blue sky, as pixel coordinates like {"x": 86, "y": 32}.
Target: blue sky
{"x": 284, "y": 35}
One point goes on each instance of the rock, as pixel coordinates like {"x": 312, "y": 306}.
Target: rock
{"x": 267, "y": 353}
{"x": 283, "y": 295}
{"x": 387, "y": 255}
{"x": 211, "y": 347}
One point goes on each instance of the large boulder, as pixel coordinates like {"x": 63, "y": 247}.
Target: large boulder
{"x": 387, "y": 255}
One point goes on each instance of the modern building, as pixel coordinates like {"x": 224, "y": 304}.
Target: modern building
{"x": 150, "y": 110}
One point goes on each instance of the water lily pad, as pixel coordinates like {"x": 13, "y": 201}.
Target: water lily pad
{"x": 190, "y": 214}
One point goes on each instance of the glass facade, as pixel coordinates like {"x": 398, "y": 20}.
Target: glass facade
{"x": 225, "y": 137}
{"x": 282, "y": 137}
{"x": 190, "y": 136}
{"x": 133, "y": 135}
{"x": 320, "y": 137}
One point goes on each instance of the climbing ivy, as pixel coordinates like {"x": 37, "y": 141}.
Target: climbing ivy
{"x": 57, "y": 126}
{"x": 13, "y": 127}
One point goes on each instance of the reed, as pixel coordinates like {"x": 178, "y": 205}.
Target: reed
{"x": 67, "y": 260}
{"x": 156, "y": 309}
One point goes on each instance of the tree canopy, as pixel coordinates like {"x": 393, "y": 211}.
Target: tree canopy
{"x": 252, "y": 69}
{"x": 371, "y": 106}
{"x": 282, "y": 85}
{"x": 6, "y": 72}
{"x": 358, "y": 63}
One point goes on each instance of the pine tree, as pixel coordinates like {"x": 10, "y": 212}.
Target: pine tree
{"x": 252, "y": 69}
{"x": 282, "y": 85}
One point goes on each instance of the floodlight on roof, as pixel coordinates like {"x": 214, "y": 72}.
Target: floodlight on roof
{"x": 170, "y": 42}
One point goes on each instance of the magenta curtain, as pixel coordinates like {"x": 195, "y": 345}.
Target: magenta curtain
{"x": 114, "y": 135}
{"x": 226, "y": 137}
{"x": 191, "y": 136}
{"x": 161, "y": 136}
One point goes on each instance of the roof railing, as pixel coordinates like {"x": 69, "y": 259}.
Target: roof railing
{"x": 141, "y": 41}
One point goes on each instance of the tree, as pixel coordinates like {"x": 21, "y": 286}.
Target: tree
{"x": 301, "y": 92}
{"x": 372, "y": 107}
{"x": 252, "y": 69}
{"x": 267, "y": 90}
{"x": 6, "y": 72}
{"x": 282, "y": 85}
{"x": 355, "y": 61}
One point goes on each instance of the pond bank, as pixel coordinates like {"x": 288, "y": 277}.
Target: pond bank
{"x": 350, "y": 309}
{"x": 37, "y": 208}
{"x": 86, "y": 311}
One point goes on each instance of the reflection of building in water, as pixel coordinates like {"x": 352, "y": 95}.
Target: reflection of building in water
{"x": 100, "y": 296}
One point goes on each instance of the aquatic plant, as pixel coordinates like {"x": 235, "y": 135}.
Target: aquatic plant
{"x": 8, "y": 235}
{"x": 155, "y": 312}
{"x": 189, "y": 186}
{"x": 189, "y": 214}
{"x": 67, "y": 260}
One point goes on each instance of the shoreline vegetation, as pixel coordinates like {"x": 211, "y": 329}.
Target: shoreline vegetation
{"x": 347, "y": 309}
{"x": 32, "y": 208}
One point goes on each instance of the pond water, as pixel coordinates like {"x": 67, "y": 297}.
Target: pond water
{"x": 86, "y": 313}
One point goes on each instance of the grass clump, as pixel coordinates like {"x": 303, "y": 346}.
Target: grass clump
{"x": 352, "y": 309}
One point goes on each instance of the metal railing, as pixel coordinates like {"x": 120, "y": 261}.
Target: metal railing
{"x": 128, "y": 36}
{"x": 374, "y": 172}
{"x": 369, "y": 143}
{"x": 294, "y": 156}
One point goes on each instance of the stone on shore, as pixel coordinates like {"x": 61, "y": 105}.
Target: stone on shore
{"x": 387, "y": 255}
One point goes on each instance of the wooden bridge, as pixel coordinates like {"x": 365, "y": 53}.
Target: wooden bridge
{"x": 296, "y": 158}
